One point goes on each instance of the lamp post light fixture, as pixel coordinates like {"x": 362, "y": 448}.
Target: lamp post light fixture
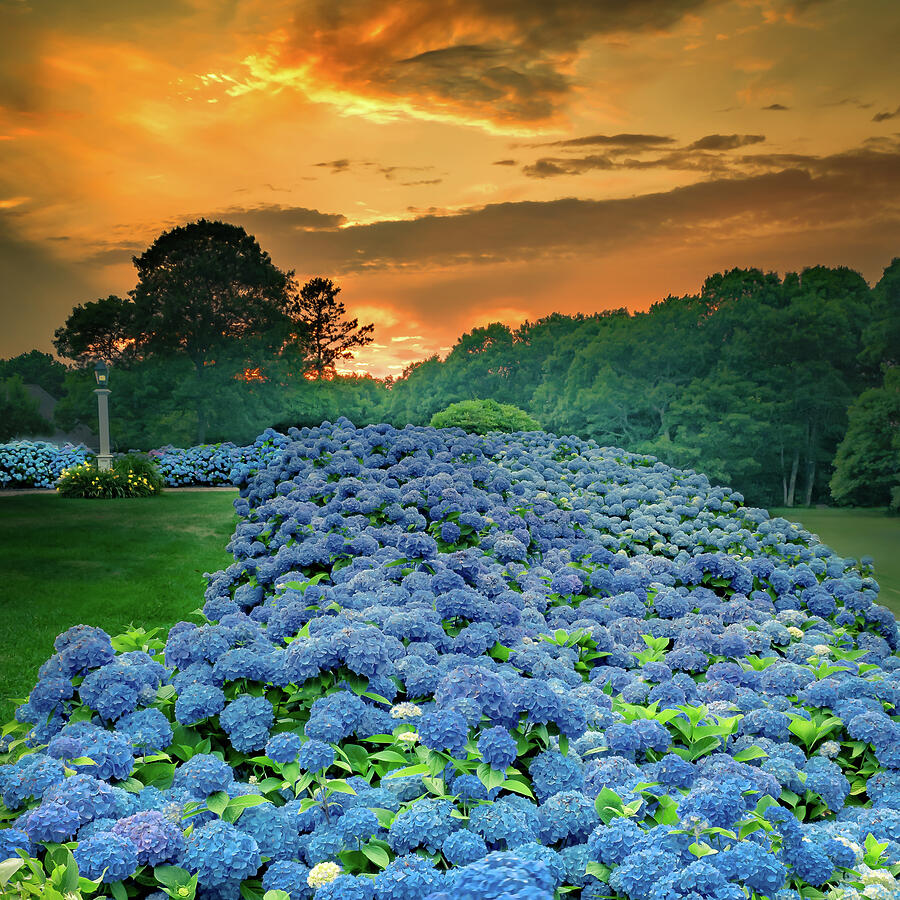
{"x": 101, "y": 373}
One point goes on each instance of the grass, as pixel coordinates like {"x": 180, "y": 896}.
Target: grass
{"x": 100, "y": 562}
{"x": 858, "y": 533}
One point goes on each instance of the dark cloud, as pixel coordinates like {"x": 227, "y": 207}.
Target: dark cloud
{"x": 505, "y": 162}
{"x": 336, "y": 165}
{"x": 341, "y": 166}
{"x": 849, "y": 188}
{"x": 776, "y": 107}
{"x": 625, "y": 141}
{"x": 884, "y": 116}
{"x": 551, "y": 166}
{"x": 850, "y": 101}
{"x": 421, "y": 181}
{"x": 290, "y": 218}
{"x": 507, "y": 60}
{"x": 726, "y": 141}
{"x": 703, "y": 155}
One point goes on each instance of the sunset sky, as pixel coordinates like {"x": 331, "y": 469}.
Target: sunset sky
{"x": 448, "y": 162}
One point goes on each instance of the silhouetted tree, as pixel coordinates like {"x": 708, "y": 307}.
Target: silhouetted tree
{"x": 329, "y": 336}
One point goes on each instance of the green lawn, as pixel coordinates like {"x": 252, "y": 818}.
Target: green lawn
{"x": 101, "y": 562}
{"x": 858, "y": 533}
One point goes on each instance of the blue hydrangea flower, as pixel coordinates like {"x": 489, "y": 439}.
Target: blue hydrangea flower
{"x": 246, "y": 721}
{"x": 497, "y": 748}
{"x": 219, "y": 853}
{"x": 315, "y": 756}
{"x": 106, "y": 855}
{"x": 156, "y": 839}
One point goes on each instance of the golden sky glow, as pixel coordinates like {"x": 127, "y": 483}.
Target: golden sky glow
{"x": 448, "y": 162}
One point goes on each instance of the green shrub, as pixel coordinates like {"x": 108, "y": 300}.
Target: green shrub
{"x": 141, "y": 465}
{"x": 482, "y": 416}
{"x": 130, "y": 476}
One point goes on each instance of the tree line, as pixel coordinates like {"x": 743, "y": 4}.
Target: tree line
{"x": 786, "y": 387}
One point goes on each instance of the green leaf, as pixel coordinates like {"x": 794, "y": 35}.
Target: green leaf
{"x": 69, "y": 881}
{"x": 217, "y": 802}
{"x": 8, "y": 868}
{"x": 667, "y": 811}
{"x": 489, "y": 777}
{"x": 249, "y": 893}
{"x": 389, "y": 756}
{"x": 276, "y": 895}
{"x": 749, "y": 753}
{"x": 339, "y": 786}
{"x": 118, "y": 890}
{"x": 498, "y": 651}
{"x": 704, "y": 746}
{"x": 358, "y": 756}
{"x": 385, "y": 816}
{"x": 518, "y": 787}
{"x": 701, "y": 850}
{"x": 421, "y": 769}
{"x": 598, "y": 870}
{"x": 608, "y": 805}
{"x": 172, "y": 876}
{"x": 376, "y": 854}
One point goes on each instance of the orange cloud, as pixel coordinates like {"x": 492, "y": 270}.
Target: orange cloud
{"x": 506, "y": 68}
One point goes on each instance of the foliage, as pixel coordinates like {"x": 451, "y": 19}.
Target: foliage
{"x": 748, "y": 381}
{"x": 206, "y": 294}
{"x": 100, "y": 329}
{"x": 130, "y": 476}
{"x": 692, "y": 693}
{"x": 143, "y": 466}
{"x": 19, "y": 415}
{"x": 483, "y": 416}
{"x": 307, "y": 402}
{"x": 330, "y": 336}
{"x": 867, "y": 464}
{"x": 35, "y": 367}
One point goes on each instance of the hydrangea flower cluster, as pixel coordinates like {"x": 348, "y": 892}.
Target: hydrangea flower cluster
{"x": 37, "y": 463}
{"x": 444, "y": 665}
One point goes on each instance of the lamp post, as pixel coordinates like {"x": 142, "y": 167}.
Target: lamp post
{"x": 101, "y": 373}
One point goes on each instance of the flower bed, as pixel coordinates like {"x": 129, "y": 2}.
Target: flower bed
{"x": 448, "y": 666}
{"x": 39, "y": 464}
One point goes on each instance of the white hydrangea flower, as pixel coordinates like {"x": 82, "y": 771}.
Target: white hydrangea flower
{"x": 405, "y": 711}
{"x": 322, "y": 873}
{"x": 878, "y": 877}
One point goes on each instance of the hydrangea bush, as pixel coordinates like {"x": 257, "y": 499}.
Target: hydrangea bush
{"x": 39, "y": 464}
{"x": 448, "y": 666}
{"x": 218, "y": 464}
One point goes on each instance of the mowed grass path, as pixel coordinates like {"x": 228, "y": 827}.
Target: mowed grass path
{"x": 100, "y": 562}
{"x": 858, "y": 533}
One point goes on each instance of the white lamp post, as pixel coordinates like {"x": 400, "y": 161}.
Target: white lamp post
{"x": 101, "y": 373}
